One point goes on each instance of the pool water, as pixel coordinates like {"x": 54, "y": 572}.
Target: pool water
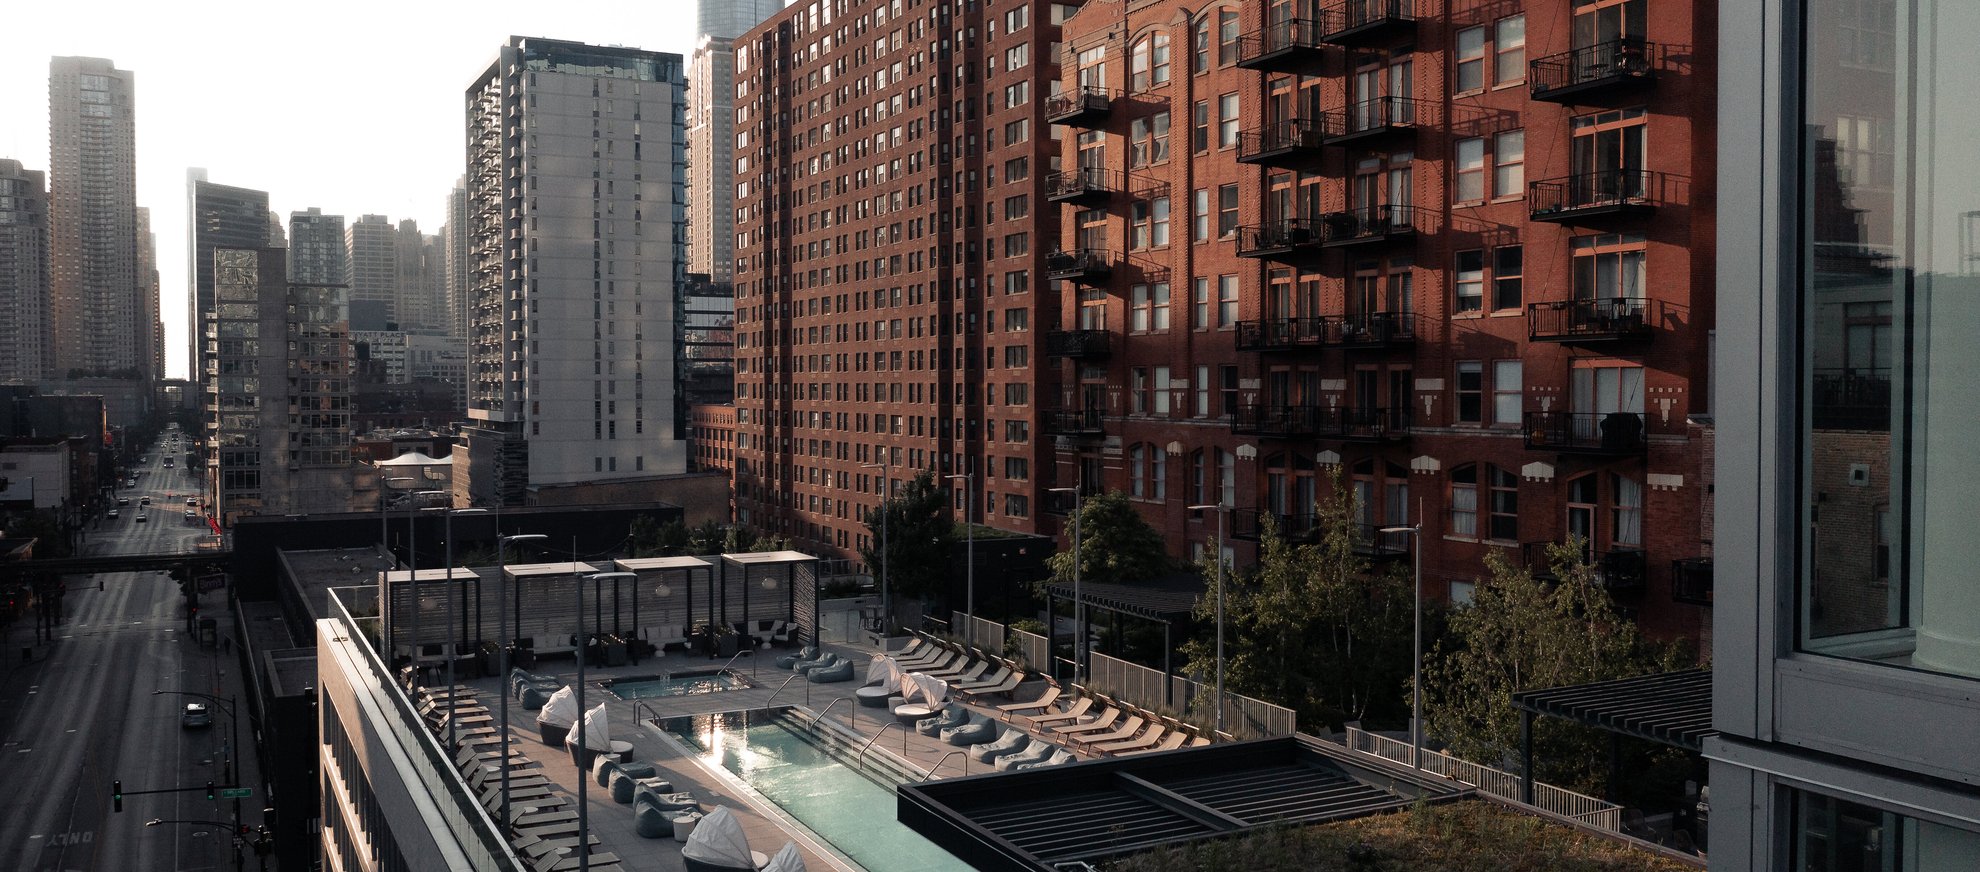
{"x": 675, "y": 685}
{"x": 844, "y": 807}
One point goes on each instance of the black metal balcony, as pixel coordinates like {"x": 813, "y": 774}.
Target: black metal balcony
{"x": 1083, "y": 106}
{"x": 1368, "y": 225}
{"x": 1250, "y": 525}
{"x": 1079, "y": 344}
{"x": 1086, "y": 266}
{"x": 1361, "y": 22}
{"x": 1290, "y": 143}
{"x": 1372, "y": 543}
{"x": 1374, "y": 331}
{"x": 1611, "y": 433}
{"x": 1599, "y": 70}
{"x": 1083, "y": 423}
{"x": 1286, "y": 47}
{"x": 1282, "y": 334}
{"x": 1374, "y": 424}
{"x": 1279, "y": 239}
{"x": 1691, "y": 581}
{"x": 1583, "y": 197}
{"x": 1370, "y": 120}
{"x": 1085, "y": 186}
{"x": 1581, "y": 322}
{"x": 1857, "y": 398}
{"x": 1621, "y": 569}
{"x": 1281, "y": 421}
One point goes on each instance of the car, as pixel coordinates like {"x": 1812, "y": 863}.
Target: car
{"x": 144, "y": 501}
{"x": 123, "y": 501}
{"x": 192, "y": 515}
{"x": 168, "y": 464}
{"x": 142, "y": 517}
{"x": 192, "y": 501}
{"x": 112, "y": 514}
{"x": 195, "y": 716}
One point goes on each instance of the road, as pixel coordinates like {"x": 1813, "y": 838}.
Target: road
{"x": 84, "y": 715}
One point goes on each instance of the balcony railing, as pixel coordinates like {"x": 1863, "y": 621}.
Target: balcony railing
{"x": 1082, "y": 185}
{"x": 1857, "y": 398}
{"x": 1084, "y": 265}
{"x": 1284, "y": 47}
{"x": 1691, "y": 580}
{"x": 1073, "y": 422}
{"x": 1617, "y": 192}
{"x": 1079, "y": 344}
{"x": 1375, "y": 330}
{"x": 1282, "y": 334}
{"x": 1370, "y": 119}
{"x": 1616, "y": 570}
{"x": 1374, "y": 424}
{"x": 1287, "y": 143}
{"x": 1614, "y": 65}
{"x": 1250, "y": 525}
{"x": 1083, "y": 106}
{"x": 1610, "y": 319}
{"x": 1266, "y": 419}
{"x": 1360, "y": 22}
{"x": 1278, "y": 239}
{"x": 1368, "y": 225}
{"x": 1372, "y": 543}
{"x": 1612, "y": 433}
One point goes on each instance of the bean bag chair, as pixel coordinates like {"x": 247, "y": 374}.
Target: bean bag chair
{"x": 809, "y": 666}
{"x": 652, "y": 823}
{"x": 622, "y": 788}
{"x": 1038, "y": 751}
{"x": 977, "y": 731}
{"x": 789, "y": 660}
{"x": 841, "y": 671}
{"x": 1058, "y": 758}
{"x": 953, "y": 716}
{"x": 664, "y": 801}
{"x": 1011, "y": 742}
{"x": 533, "y": 698}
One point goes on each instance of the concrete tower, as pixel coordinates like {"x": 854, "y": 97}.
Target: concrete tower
{"x": 24, "y": 338}
{"x": 97, "y": 308}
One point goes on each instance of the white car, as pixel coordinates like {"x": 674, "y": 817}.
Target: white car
{"x": 142, "y": 517}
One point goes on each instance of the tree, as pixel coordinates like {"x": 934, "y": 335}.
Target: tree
{"x": 650, "y": 538}
{"x": 919, "y": 533}
{"x": 1116, "y": 546}
{"x": 1519, "y": 634}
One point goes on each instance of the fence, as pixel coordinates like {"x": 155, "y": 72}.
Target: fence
{"x": 1504, "y": 785}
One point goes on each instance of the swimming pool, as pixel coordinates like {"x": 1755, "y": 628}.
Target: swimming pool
{"x": 675, "y": 684}
{"x": 855, "y": 813}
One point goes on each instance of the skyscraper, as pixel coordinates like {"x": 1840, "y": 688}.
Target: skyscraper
{"x": 728, "y": 19}
{"x": 151, "y": 325}
{"x": 459, "y": 259}
{"x": 372, "y": 244}
{"x": 316, "y": 249}
{"x": 221, "y": 216}
{"x": 24, "y": 340}
{"x": 96, "y": 310}
{"x": 575, "y": 184}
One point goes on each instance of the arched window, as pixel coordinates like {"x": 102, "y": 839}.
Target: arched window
{"x": 1137, "y": 472}
{"x": 1148, "y": 62}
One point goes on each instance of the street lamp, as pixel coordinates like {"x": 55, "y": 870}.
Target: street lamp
{"x": 502, "y": 641}
{"x": 233, "y": 736}
{"x": 969, "y": 530}
{"x": 1223, "y": 511}
{"x": 232, "y": 829}
{"x": 458, "y": 607}
{"x": 384, "y": 531}
{"x": 886, "y": 493}
{"x": 1415, "y": 532}
{"x": 412, "y": 571}
{"x": 584, "y": 822}
{"x": 1079, "y": 602}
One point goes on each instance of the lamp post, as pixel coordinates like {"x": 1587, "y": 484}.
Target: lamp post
{"x": 584, "y": 820}
{"x": 969, "y": 530}
{"x": 1079, "y": 602}
{"x": 886, "y": 494}
{"x": 502, "y": 640}
{"x": 412, "y": 571}
{"x": 232, "y": 829}
{"x": 1223, "y": 512}
{"x": 384, "y": 530}
{"x": 459, "y": 608}
{"x": 233, "y": 736}
{"x": 1416, "y": 648}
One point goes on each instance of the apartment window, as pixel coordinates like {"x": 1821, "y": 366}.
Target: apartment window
{"x": 1509, "y": 164}
{"x": 1626, "y": 517}
{"x": 1469, "y": 281}
{"x": 1017, "y": 94}
{"x": 1227, "y": 120}
{"x": 1158, "y": 232}
{"x": 1608, "y": 266}
{"x": 1017, "y": 19}
{"x": 1159, "y": 400}
{"x": 1150, "y": 307}
{"x": 1508, "y": 268}
{"x": 1227, "y": 211}
{"x": 1509, "y": 50}
{"x": 1017, "y": 281}
{"x": 1469, "y": 168}
{"x": 1140, "y": 314}
{"x": 1138, "y": 471}
{"x": 1138, "y": 390}
{"x": 1464, "y": 501}
{"x": 1198, "y": 475}
{"x": 1470, "y": 392}
{"x": 1502, "y": 523}
{"x": 1227, "y": 37}
{"x": 1200, "y": 303}
{"x": 1227, "y": 300}
{"x": 1148, "y": 140}
{"x": 1017, "y": 56}
{"x": 1016, "y": 207}
{"x": 1508, "y": 397}
{"x": 1202, "y": 385}
{"x": 1470, "y": 74}
{"x": 1226, "y": 478}
{"x": 1138, "y": 225}
{"x": 1199, "y": 135}
{"x": 1148, "y": 64}
{"x": 1017, "y": 131}
{"x": 1227, "y": 382}
{"x": 1199, "y": 42}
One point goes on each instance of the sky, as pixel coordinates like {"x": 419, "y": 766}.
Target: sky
{"x": 354, "y": 106}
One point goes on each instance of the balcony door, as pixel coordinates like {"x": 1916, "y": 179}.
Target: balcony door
{"x": 1608, "y": 156}
{"x": 1092, "y": 309}
{"x": 1603, "y": 21}
{"x": 1606, "y": 389}
{"x": 1380, "y": 92}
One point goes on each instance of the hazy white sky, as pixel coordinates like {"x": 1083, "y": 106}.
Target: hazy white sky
{"x": 351, "y": 105}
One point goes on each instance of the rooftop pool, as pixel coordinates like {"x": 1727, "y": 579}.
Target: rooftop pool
{"x": 676, "y": 684}
{"x": 813, "y": 781}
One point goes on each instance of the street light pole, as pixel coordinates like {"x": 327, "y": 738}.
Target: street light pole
{"x": 1222, "y": 512}
{"x": 969, "y": 530}
{"x": 453, "y": 733}
{"x": 886, "y": 494}
{"x": 233, "y": 737}
{"x": 1416, "y": 648}
{"x": 584, "y": 750}
{"x": 502, "y": 640}
{"x": 1079, "y": 602}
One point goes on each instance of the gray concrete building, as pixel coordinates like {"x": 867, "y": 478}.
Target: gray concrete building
{"x": 576, "y": 187}
{"x": 459, "y": 260}
{"x": 317, "y": 255}
{"x": 97, "y": 307}
{"x": 25, "y": 343}
{"x": 218, "y": 216}
{"x": 711, "y": 160}
{"x": 372, "y": 247}
{"x": 151, "y": 320}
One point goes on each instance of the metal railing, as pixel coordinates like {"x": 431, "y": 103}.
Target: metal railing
{"x": 1290, "y": 527}
{"x": 1080, "y": 103}
{"x": 1615, "y": 61}
{"x": 1852, "y": 398}
{"x": 1278, "y": 237}
{"x": 1691, "y": 580}
{"x": 1287, "y": 40}
{"x": 1078, "y": 182}
{"x": 1278, "y": 138}
{"x": 1370, "y": 116}
{"x": 828, "y": 709}
{"x": 1078, "y": 264}
{"x": 1589, "y": 319}
{"x": 780, "y": 687}
{"x": 1497, "y": 782}
{"x": 1586, "y": 432}
{"x": 1368, "y": 224}
{"x": 1077, "y": 422}
{"x": 1379, "y": 423}
{"x": 1281, "y": 333}
{"x": 1339, "y": 22}
{"x": 1603, "y": 190}
{"x": 1079, "y": 344}
{"x": 930, "y": 774}
{"x": 861, "y": 759}
{"x": 1267, "y": 419}
{"x": 1616, "y": 569}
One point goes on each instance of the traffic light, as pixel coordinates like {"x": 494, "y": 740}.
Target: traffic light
{"x": 116, "y": 796}
{"x": 209, "y": 790}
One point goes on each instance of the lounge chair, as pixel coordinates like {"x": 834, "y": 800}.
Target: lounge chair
{"x": 971, "y": 672}
{"x": 942, "y": 663}
{"x": 790, "y": 660}
{"x": 1043, "y": 702}
{"x": 1146, "y": 740}
{"x": 1036, "y": 752}
{"x": 1011, "y": 742}
{"x": 912, "y": 650}
{"x": 977, "y": 731}
{"x": 952, "y": 716}
{"x": 1071, "y": 715}
{"x": 1127, "y": 730}
{"x": 1009, "y": 682}
{"x": 1107, "y": 720}
{"x": 837, "y": 672}
{"x": 1170, "y": 742}
{"x": 931, "y": 658}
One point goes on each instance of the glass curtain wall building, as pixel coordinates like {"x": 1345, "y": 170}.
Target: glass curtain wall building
{"x": 1847, "y": 680}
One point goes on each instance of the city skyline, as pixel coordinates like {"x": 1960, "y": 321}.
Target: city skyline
{"x": 398, "y": 155}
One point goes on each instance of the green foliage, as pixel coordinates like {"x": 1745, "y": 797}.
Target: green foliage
{"x": 1312, "y": 627}
{"x": 1116, "y": 546}
{"x": 1519, "y": 634}
{"x": 647, "y": 537}
{"x": 919, "y": 533}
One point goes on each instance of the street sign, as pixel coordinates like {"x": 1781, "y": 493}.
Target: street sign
{"x": 236, "y": 792}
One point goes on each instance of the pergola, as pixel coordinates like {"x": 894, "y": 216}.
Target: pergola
{"x": 1669, "y": 708}
{"x": 672, "y": 579}
{"x": 1167, "y": 600}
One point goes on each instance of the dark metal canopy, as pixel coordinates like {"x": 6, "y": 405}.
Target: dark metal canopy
{"x": 1671, "y": 708}
{"x": 1161, "y": 599}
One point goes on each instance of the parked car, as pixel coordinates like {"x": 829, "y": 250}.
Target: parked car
{"x": 195, "y": 715}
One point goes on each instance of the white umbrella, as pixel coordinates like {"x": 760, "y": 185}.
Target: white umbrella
{"x": 719, "y": 841}
{"x": 885, "y": 671}
{"x": 787, "y": 860}
{"x": 597, "y": 733}
{"x": 925, "y": 686}
{"x": 561, "y": 709}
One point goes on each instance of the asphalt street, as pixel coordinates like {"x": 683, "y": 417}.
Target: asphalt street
{"x": 84, "y": 713}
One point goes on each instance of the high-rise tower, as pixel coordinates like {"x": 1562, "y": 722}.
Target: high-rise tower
{"x": 222, "y": 216}
{"x": 373, "y": 246}
{"x": 96, "y": 310}
{"x": 24, "y": 340}
{"x": 316, "y": 249}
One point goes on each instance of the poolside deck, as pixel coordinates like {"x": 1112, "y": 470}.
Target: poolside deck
{"x": 631, "y": 721}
